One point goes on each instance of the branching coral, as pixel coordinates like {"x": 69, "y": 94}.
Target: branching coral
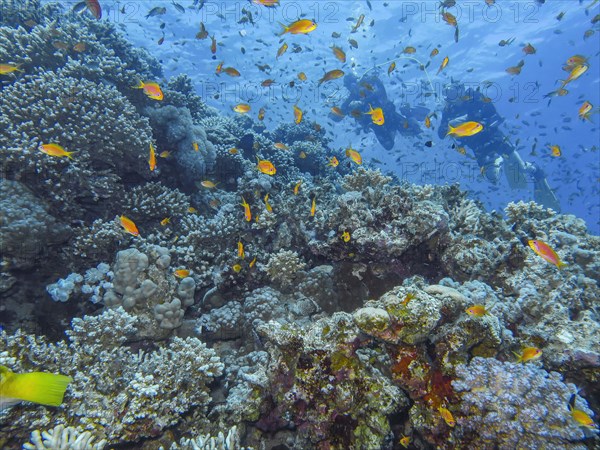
{"x": 117, "y": 394}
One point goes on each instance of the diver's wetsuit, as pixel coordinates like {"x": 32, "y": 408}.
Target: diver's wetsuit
{"x": 491, "y": 148}
{"x": 371, "y": 91}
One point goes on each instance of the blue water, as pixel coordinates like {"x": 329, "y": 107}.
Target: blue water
{"x": 476, "y": 60}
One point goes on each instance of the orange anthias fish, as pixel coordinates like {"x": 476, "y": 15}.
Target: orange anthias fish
{"x": 345, "y": 236}
{"x": 585, "y": 111}
{"x": 261, "y": 113}
{"x": 449, "y": 18}
{"x": 297, "y": 115}
{"x": 94, "y": 7}
{"x": 55, "y": 150}
{"x": 128, "y": 225}
{"x": 152, "y": 158}
{"x": 434, "y": 52}
{"x": 302, "y": 26}
{"x": 313, "y": 207}
{"x": 529, "y": 49}
{"x": 516, "y": 70}
{"x": 354, "y": 155}
{"x": 477, "y": 311}
{"x": 297, "y": 187}
{"x": 331, "y": 75}
{"x": 339, "y": 53}
{"x": 241, "y": 253}
{"x": 464, "y": 129}
{"x": 265, "y": 166}
{"x": 267, "y": 3}
{"x": 182, "y": 273}
{"x": 333, "y": 162}
{"x": 447, "y": 416}
{"x": 575, "y": 73}
{"x": 151, "y": 89}
{"x": 213, "y": 45}
{"x": 241, "y": 108}
{"x": 208, "y": 184}
{"x": 546, "y": 252}
{"x": 247, "y": 213}
{"x": 528, "y": 354}
{"x": 581, "y": 417}
{"x": 9, "y": 68}
{"x": 405, "y": 441}
{"x": 555, "y": 150}
{"x": 376, "y": 115}
{"x": 443, "y": 65}
{"x": 337, "y": 111}
{"x": 391, "y": 68}
{"x": 267, "y": 204}
{"x": 231, "y": 71}
{"x": 281, "y": 50}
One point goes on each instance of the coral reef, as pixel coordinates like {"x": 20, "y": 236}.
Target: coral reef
{"x": 507, "y": 405}
{"x": 118, "y": 394}
{"x": 64, "y": 438}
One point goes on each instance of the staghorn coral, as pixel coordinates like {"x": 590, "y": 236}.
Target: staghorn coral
{"x": 507, "y": 405}
{"x": 118, "y": 394}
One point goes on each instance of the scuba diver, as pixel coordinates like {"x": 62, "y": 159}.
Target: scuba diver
{"x": 491, "y": 147}
{"x": 370, "y": 91}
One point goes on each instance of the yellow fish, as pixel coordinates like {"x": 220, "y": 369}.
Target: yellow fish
{"x": 9, "y": 68}
{"x": 265, "y": 166}
{"x": 476, "y": 311}
{"x": 241, "y": 253}
{"x": 182, "y": 273}
{"x": 339, "y": 53}
{"x": 267, "y": 204}
{"x": 555, "y": 150}
{"x": 345, "y": 236}
{"x": 337, "y": 111}
{"x": 165, "y": 221}
{"x": 528, "y": 354}
{"x": 405, "y": 441}
{"x": 331, "y": 75}
{"x": 313, "y": 207}
{"x": 391, "y": 68}
{"x": 302, "y": 26}
{"x": 354, "y": 155}
{"x": 236, "y": 268}
{"x": 152, "y": 158}
{"x": 302, "y": 76}
{"x": 447, "y": 416}
{"x": 261, "y": 113}
{"x": 575, "y": 73}
{"x": 585, "y": 111}
{"x": 281, "y": 50}
{"x": 165, "y": 154}
{"x": 443, "y": 65}
{"x": 376, "y": 115}
{"x": 581, "y": 417}
{"x": 231, "y": 71}
{"x": 297, "y": 115}
{"x": 297, "y": 187}
{"x": 251, "y": 264}
{"x": 464, "y": 129}
{"x": 38, "y": 387}
{"x": 129, "y": 226}
{"x": 247, "y": 213}
{"x": 208, "y": 184}
{"x": 55, "y": 150}
{"x": 241, "y": 108}
{"x": 333, "y": 162}
{"x": 151, "y": 89}
{"x": 195, "y": 146}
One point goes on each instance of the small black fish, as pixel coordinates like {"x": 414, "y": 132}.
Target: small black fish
{"x": 162, "y": 26}
{"x": 429, "y": 144}
{"x": 179, "y": 8}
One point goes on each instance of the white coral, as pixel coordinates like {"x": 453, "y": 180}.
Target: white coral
{"x": 64, "y": 438}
